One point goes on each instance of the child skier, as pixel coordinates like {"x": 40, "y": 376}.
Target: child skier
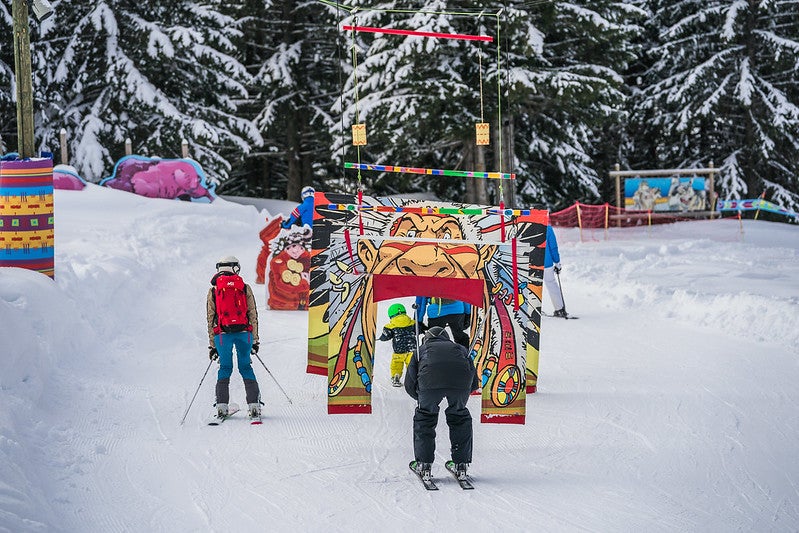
{"x": 401, "y": 329}
{"x": 233, "y": 322}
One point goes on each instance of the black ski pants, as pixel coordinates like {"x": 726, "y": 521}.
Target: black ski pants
{"x": 457, "y": 324}
{"x": 459, "y": 420}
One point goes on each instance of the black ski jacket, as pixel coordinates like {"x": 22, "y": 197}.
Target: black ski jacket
{"x": 440, "y": 364}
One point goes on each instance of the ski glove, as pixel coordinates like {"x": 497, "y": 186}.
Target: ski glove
{"x": 557, "y": 267}
{"x": 254, "y": 349}
{"x": 212, "y": 353}
{"x": 286, "y": 224}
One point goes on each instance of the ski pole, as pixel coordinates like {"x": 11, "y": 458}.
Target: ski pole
{"x": 560, "y": 288}
{"x": 273, "y": 377}
{"x": 195, "y": 393}
{"x": 416, "y": 323}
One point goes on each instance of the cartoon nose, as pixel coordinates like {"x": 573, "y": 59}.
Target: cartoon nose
{"x": 425, "y": 261}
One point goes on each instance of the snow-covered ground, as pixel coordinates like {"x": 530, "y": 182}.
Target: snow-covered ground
{"x": 670, "y": 405}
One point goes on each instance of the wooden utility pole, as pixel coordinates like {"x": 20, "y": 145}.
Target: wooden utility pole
{"x": 22, "y": 71}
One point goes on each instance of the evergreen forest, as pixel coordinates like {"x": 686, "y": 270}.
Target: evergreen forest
{"x": 266, "y": 92}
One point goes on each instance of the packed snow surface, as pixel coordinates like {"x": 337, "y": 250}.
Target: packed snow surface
{"x": 670, "y": 405}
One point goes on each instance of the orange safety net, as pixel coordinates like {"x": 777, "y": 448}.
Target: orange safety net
{"x": 607, "y": 218}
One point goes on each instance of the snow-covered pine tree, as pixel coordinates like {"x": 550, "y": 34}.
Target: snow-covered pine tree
{"x": 566, "y": 62}
{"x": 722, "y": 88}
{"x": 419, "y": 96}
{"x": 8, "y": 104}
{"x": 154, "y": 72}
{"x": 291, "y": 53}
{"x": 7, "y": 110}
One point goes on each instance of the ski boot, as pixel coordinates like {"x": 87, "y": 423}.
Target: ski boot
{"x": 254, "y": 410}
{"x": 423, "y": 469}
{"x": 460, "y": 471}
{"x": 560, "y": 313}
{"x": 221, "y": 410}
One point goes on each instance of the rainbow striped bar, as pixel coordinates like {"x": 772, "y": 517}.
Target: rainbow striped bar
{"x": 431, "y": 171}
{"x": 430, "y": 210}
{"x": 390, "y": 31}
{"x": 27, "y": 229}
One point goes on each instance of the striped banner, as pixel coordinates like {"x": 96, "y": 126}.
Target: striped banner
{"x": 27, "y": 222}
{"x": 430, "y": 210}
{"x": 431, "y": 171}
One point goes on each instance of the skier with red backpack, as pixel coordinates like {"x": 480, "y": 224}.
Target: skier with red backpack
{"x": 233, "y": 322}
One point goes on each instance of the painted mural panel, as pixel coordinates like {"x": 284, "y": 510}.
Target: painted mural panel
{"x": 426, "y": 245}
{"x": 665, "y": 194}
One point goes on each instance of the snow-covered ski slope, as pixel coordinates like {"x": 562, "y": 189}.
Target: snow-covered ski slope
{"x": 671, "y": 405}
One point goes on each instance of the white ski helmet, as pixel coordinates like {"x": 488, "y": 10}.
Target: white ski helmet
{"x": 307, "y": 191}
{"x": 228, "y": 263}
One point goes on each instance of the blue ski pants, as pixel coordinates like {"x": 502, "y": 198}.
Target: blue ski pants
{"x": 224, "y": 343}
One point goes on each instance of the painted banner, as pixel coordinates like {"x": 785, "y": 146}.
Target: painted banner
{"x": 414, "y": 248}
{"x": 27, "y": 226}
{"x": 665, "y": 194}
{"x": 753, "y": 205}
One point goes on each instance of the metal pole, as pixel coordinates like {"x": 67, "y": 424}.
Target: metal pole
{"x": 195, "y": 393}
{"x": 24, "y": 78}
{"x": 275, "y": 380}
{"x": 560, "y": 288}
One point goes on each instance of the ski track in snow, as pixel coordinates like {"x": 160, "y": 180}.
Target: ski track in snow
{"x": 669, "y": 406}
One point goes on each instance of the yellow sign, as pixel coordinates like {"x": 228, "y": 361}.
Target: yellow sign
{"x": 482, "y": 130}
{"x": 359, "y": 134}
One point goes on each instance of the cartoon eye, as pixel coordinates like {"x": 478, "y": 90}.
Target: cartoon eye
{"x": 411, "y": 233}
{"x": 447, "y": 235}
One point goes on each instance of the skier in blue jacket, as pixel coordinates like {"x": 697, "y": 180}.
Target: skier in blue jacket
{"x": 443, "y": 312}
{"x": 551, "y": 267}
{"x": 303, "y": 213}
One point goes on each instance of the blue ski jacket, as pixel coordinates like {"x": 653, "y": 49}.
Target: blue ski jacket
{"x": 436, "y": 307}
{"x": 301, "y": 215}
{"x": 551, "y": 254}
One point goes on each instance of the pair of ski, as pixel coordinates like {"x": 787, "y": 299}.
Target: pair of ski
{"x": 233, "y": 408}
{"x": 430, "y": 484}
{"x": 567, "y": 317}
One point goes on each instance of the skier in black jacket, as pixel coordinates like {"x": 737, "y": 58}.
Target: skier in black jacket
{"x": 441, "y": 369}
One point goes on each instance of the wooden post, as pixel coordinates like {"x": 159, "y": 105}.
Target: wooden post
{"x": 128, "y": 146}
{"x": 22, "y": 71}
{"x": 579, "y": 220}
{"x": 184, "y": 149}
{"x": 64, "y": 151}
{"x": 618, "y": 194}
{"x": 712, "y": 192}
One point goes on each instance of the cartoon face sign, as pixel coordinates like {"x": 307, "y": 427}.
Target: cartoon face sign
{"x": 434, "y": 259}
{"x": 295, "y": 250}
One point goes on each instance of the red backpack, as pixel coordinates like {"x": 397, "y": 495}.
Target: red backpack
{"x": 231, "y": 304}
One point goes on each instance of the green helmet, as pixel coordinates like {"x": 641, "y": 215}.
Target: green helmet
{"x": 396, "y": 309}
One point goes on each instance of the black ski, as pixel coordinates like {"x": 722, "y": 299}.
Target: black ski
{"x": 465, "y": 483}
{"x": 429, "y": 484}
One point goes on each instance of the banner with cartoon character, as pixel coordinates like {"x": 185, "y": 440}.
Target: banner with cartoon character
{"x": 178, "y": 179}
{"x": 367, "y": 249}
{"x": 665, "y": 194}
